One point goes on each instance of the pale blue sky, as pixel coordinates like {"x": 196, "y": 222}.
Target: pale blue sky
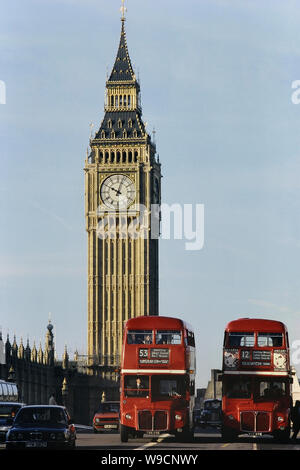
{"x": 216, "y": 81}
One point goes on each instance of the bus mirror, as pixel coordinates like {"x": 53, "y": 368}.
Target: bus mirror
{"x": 291, "y": 380}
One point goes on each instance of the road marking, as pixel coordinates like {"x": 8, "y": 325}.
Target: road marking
{"x": 150, "y": 444}
{"x": 225, "y": 445}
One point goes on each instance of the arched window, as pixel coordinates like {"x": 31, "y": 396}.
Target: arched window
{"x": 120, "y": 100}
{"x": 116, "y": 102}
{"x": 102, "y": 134}
{"x": 119, "y": 123}
{"x": 129, "y": 101}
{"x": 134, "y": 133}
{"x": 118, "y": 157}
{"x": 136, "y": 155}
{"x": 129, "y": 122}
{"x": 124, "y": 100}
{"x": 112, "y": 100}
{"x": 112, "y": 157}
{"x": 106, "y": 157}
{"x": 109, "y": 123}
{"x": 124, "y": 157}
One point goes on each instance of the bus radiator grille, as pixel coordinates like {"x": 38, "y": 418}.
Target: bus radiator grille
{"x": 160, "y": 420}
{"x": 145, "y": 420}
{"x": 156, "y": 422}
{"x": 255, "y": 421}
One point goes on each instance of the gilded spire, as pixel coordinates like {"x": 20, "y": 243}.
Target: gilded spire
{"x": 122, "y": 70}
{"x": 123, "y": 10}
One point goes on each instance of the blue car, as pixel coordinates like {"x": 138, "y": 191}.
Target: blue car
{"x": 8, "y": 411}
{"x": 41, "y": 427}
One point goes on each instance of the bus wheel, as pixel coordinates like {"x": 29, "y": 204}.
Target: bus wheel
{"x": 124, "y": 433}
{"x": 187, "y": 435}
{"x": 228, "y": 435}
{"x": 282, "y": 436}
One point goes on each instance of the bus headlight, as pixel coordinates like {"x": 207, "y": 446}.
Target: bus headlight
{"x": 178, "y": 417}
{"x": 280, "y": 419}
{"x": 128, "y": 416}
{"x": 230, "y": 417}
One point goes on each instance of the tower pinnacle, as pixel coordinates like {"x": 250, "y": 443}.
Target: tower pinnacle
{"x": 123, "y": 10}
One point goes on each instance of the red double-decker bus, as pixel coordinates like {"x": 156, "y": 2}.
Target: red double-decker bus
{"x": 157, "y": 378}
{"x": 256, "y": 379}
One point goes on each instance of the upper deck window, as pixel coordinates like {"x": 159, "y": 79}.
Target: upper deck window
{"x": 269, "y": 339}
{"x": 140, "y": 337}
{"x": 237, "y": 339}
{"x": 168, "y": 337}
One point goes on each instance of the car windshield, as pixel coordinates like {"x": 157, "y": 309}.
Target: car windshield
{"x": 41, "y": 416}
{"x": 109, "y": 408}
{"x": 212, "y": 405}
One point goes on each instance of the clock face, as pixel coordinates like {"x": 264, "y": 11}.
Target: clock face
{"x": 117, "y": 191}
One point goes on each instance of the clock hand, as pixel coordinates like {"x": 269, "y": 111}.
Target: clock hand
{"x": 116, "y": 190}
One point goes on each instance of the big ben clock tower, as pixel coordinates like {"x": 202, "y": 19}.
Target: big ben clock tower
{"x": 122, "y": 193}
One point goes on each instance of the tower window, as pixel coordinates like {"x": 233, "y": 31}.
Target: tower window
{"x": 120, "y": 98}
{"x": 116, "y": 102}
{"x": 129, "y": 100}
{"x": 119, "y": 123}
{"x": 112, "y": 157}
{"x": 112, "y": 100}
{"x": 118, "y": 157}
{"x": 124, "y": 99}
{"x": 129, "y": 122}
{"x": 109, "y": 123}
{"x": 106, "y": 157}
{"x": 134, "y": 133}
{"x": 124, "y": 157}
{"x": 124, "y": 133}
{"x": 113, "y": 134}
{"x": 102, "y": 134}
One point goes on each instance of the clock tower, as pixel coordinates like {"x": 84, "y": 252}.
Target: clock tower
{"x": 122, "y": 197}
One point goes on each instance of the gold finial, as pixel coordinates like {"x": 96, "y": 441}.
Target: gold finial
{"x": 123, "y": 10}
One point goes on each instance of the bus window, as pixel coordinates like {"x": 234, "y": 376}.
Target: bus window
{"x": 237, "y": 339}
{"x": 167, "y": 387}
{"x": 238, "y": 387}
{"x": 270, "y": 389}
{"x": 136, "y": 386}
{"x": 139, "y": 337}
{"x": 269, "y": 339}
{"x": 168, "y": 337}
